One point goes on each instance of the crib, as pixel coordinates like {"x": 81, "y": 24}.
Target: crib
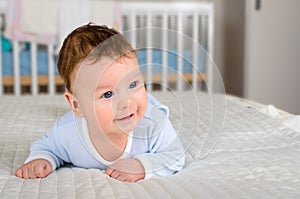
{"x": 161, "y": 49}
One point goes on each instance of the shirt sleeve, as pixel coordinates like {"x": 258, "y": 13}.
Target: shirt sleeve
{"x": 166, "y": 153}
{"x": 49, "y": 147}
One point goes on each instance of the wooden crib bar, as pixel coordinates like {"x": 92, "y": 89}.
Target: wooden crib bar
{"x": 50, "y": 49}
{"x": 210, "y": 48}
{"x": 149, "y": 51}
{"x": 165, "y": 55}
{"x": 195, "y": 49}
{"x": 1, "y": 78}
{"x": 179, "y": 51}
{"x": 16, "y": 63}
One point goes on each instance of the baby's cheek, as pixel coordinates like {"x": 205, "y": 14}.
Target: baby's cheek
{"x": 104, "y": 118}
{"x": 142, "y": 100}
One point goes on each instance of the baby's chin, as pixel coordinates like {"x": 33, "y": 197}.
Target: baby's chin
{"x": 127, "y": 128}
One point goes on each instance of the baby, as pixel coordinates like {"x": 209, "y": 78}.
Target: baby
{"x": 114, "y": 124}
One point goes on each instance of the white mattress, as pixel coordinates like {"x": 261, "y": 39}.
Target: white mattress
{"x": 255, "y": 156}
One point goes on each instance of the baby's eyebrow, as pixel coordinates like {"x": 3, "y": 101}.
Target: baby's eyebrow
{"x": 136, "y": 74}
{"x": 133, "y": 75}
{"x": 103, "y": 86}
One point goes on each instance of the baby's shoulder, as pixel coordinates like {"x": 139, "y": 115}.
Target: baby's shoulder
{"x": 155, "y": 116}
{"x": 68, "y": 120}
{"x": 66, "y": 127}
{"x": 155, "y": 109}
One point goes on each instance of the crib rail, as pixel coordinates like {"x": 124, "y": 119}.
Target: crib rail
{"x": 34, "y": 80}
{"x": 173, "y": 16}
{"x": 194, "y": 20}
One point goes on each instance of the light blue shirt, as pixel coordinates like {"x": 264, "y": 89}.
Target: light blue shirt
{"x": 154, "y": 142}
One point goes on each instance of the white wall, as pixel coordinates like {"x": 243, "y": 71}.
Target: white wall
{"x": 272, "y": 66}
{"x": 234, "y": 25}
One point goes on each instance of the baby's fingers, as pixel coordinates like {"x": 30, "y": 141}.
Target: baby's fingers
{"x": 25, "y": 173}
{"x": 43, "y": 169}
{"x": 109, "y": 170}
{"x": 121, "y": 178}
{"x": 35, "y": 169}
{"x": 19, "y": 173}
{"x": 114, "y": 174}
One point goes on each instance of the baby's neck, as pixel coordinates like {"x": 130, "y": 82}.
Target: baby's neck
{"x": 110, "y": 146}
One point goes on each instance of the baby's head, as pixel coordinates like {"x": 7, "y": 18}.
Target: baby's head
{"x": 102, "y": 77}
{"x": 88, "y": 41}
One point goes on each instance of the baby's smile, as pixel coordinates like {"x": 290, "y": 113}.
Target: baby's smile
{"x": 126, "y": 118}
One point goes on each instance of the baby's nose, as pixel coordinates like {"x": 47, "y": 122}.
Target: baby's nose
{"x": 123, "y": 101}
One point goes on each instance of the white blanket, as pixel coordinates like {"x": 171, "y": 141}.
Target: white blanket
{"x": 255, "y": 155}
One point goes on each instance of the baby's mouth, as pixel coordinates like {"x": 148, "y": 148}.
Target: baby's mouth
{"x": 126, "y": 118}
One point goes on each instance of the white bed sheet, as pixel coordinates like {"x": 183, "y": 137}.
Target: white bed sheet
{"x": 255, "y": 156}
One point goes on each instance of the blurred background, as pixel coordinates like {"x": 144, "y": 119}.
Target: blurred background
{"x": 256, "y": 48}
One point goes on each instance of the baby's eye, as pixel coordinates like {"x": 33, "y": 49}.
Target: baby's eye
{"x": 133, "y": 84}
{"x": 107, "y": 94}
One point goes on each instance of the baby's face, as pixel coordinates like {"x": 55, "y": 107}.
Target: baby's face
{"x": 111, "y": 94}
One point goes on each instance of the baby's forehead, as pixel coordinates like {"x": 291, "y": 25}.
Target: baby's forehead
{"x": 106, "y": 61}
{"x": 89, "y": 66}
{"x": 92, "y": 70}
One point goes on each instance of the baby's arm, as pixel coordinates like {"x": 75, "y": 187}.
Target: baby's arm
{"x": 126, "y": 170}
{"x": 38, "y": 168}
{"x": 165, "y": 158}
{"x": 166, "y": 154}
{"x": 45, "y": 155}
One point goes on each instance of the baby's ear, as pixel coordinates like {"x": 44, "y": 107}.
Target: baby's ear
{"x": 73, "y": 104}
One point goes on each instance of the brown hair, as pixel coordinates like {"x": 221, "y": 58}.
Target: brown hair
{"x": 92, "y": 42}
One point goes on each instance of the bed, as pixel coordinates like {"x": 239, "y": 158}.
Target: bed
{"x": 233, "y": 148}
{"x": 180, "y": 40}
{"x": 253, "y": 155}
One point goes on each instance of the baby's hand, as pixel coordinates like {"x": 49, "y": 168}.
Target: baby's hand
{"x": 39, "y": 168}
{"x": 126, "y": 170}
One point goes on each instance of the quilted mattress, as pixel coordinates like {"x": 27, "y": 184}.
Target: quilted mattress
{"x": 232, "y": 151}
